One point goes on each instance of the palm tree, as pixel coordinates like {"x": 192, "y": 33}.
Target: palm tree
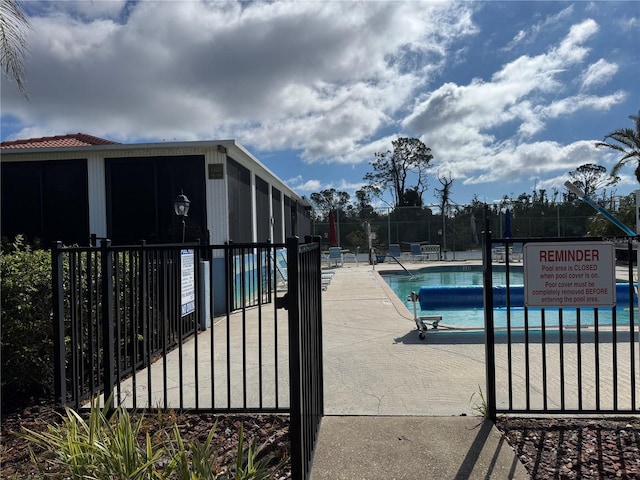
{"x": 628, "y": 142}
{"x": 13, "y": 44}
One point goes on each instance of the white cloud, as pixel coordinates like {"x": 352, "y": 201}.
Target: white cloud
{"x": 523, "y": 97}
{"x": 541, "y": 27}
{"x": 333, "y": 82}
{"x": 598, "y": 73}
{"x": 301, "y": 185}
{"x": 321, "y": 77}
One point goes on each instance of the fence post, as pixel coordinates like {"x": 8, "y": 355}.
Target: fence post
{"x": 319, "y": 398}
{"x": 295, "y": 386}
{"x": 489, "y": 339}
{"x": 106, "y": 261}
{"x": 59, "y": 355}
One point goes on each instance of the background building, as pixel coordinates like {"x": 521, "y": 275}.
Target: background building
{"x": 71, "y": 186}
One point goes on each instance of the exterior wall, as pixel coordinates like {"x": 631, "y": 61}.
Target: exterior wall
{"x": 216, "y": 193}
{"x": 97, "y": 195}
{"x": 217, "y": 198}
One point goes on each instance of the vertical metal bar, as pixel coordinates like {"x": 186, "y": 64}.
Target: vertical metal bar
{"x": 177, "y": 311}
{"x": 596, "y": 346}
{"x": 59, "y": 352}
{"x": 561, "y": 352}
{"x": 230, "y": 293}
{"x": 243, "y": 288}
{"x": 144, "y": 292}
{"x": 273, "y": 268}
{"x": 307, "y": 352}
{"x": 92, "y": 337}
{"x": 632, "y": 315}
{"x": 212, "y": 350}
{"x": 131, "y": 310}
{"x": 107, "y": 319}
{"x": 319, "y": 333}
{"x": 579, "y": 356}
{"x": 490, "y": 370}
{"x": 196, "y": 321}
{"x": 614, "y": 332}
{"x": 166, "y": 328}
{"x": 543, "y": 340}
{"x": 296, "y": 403}
{"x": 120, "y": 289}
{"x": 509, "y": 347}
{"x": 77, "y": 377}
{"x": 260, "y": 280}
{"x": 527, "y": 361}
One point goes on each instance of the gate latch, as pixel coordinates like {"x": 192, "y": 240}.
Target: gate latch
{"x": 283, "y": 302}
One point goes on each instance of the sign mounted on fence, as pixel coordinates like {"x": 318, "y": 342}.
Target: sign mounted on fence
{"x": 569, "y": 274}
{"x": 188, "y": 282}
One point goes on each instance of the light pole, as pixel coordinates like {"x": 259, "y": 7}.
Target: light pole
{"x": 181, "y": 208}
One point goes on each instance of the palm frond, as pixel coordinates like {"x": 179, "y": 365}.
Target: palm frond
{"x": 628, "y": 143}
{"x": 13, "y": 44}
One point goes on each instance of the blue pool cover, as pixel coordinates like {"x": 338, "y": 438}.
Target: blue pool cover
{"x": 442, "y": 297}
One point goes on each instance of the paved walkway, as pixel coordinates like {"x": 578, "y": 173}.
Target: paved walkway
{"x": 375, "y": 363}
{"x": 399, "y": 407}
{"x": 396, "y": 407}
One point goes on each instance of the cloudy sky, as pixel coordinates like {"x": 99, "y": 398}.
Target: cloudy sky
{"x": 509, "y": 96}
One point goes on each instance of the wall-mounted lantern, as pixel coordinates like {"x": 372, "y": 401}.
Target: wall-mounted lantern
{"x": 181, "y": 208}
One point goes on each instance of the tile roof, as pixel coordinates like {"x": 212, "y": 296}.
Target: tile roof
{"x": 71, "y": 140}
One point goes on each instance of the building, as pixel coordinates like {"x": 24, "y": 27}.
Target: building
{"x": 69, "y": 187}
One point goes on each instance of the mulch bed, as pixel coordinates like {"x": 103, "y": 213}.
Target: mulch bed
{"x": 571, "y": 448}
{"x": 549, "y": 448}
{"x": 270, "y": 430}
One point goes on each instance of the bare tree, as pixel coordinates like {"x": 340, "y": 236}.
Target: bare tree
{"x": 444, "y": 194}
{"x": 393, "y": 171}
{"x": 591, "y": 178}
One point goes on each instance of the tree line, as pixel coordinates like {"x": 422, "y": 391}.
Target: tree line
{"x": 402, "y": 173}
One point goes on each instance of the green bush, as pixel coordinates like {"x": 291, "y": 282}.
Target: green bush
{"x": 26, "y": 337}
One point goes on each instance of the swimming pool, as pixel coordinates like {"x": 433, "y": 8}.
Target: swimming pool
{"x": 461, "y": 275}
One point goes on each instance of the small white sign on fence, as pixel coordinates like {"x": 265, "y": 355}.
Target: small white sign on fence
{"x": 188, "y": 282}
{"x": 569, "y": 274}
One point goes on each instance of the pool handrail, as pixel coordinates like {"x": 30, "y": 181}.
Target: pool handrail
{"x": 403, "y": 267}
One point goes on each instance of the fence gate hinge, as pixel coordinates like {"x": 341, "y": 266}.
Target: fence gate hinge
{"x": 283, "y": 302}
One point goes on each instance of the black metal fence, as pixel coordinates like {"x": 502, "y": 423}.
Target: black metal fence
{"x": 572, "y": 359}
{"x": 193, "y": 327}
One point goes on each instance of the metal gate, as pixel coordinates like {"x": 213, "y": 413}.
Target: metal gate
{"x": 197, "y": 327}
{"x": 558, "y": 360}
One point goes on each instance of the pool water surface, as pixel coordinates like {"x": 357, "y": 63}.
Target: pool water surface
{"x": 403, "y": 285}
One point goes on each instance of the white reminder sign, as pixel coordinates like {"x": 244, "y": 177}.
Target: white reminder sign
{"x": 188, "y": 282}
{"x": 568, "y": 274}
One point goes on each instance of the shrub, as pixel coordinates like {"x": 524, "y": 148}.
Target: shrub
{"x": 107, "y": 445}
{"x": 26, "y": 336}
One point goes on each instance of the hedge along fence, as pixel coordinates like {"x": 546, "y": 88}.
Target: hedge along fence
{"x": 26, "y": 336}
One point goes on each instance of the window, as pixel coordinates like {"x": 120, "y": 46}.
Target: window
{"x": 46, "y": 201}
{"x": 239, "y": 182}
{"x": 276, "y": 200}
{"x": 262, "y": 209}
{"x": 140, "y": 195}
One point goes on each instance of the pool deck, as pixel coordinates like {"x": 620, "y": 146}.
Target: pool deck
{"x": 397, "y": 406}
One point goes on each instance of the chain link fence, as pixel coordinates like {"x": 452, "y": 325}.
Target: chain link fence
{"x": 460, "y": 229}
